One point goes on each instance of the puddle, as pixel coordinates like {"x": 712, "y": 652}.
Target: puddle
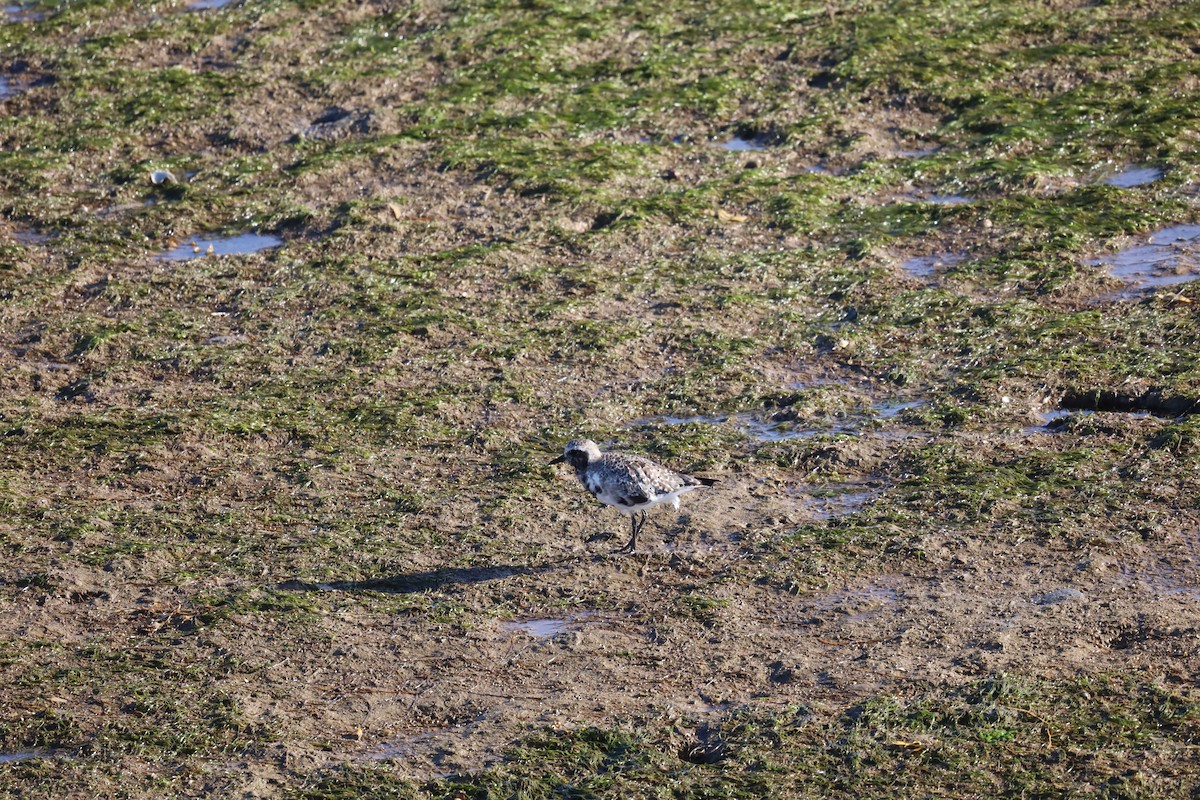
{"x": 1057, "y": 420}
{"x": 420, "y": 747}
{"x": 402, "y": 748}
{"x": 840, "y": 505}
{"x": 538, "y": 628}
{"x": 201, "y": 5}
{"x": 242, "y": 244}
{"x": 1175, "y": 577}
{"x": 11, "y": 86}
{"x": 741, "y": 143}
{"x": 27, "y": 755}
{"x": 1169, "y": 257}
{"x": 770, "y": 431}
{"x": 1166, "y": 579}
{"x": 1048, "y": 419}
{"x": 858, "y": 603}
{"x": 893, "y": 410}
{"x": 21, "y": 13}
{"x": 782, "y": 430}
{"x": 928, "y": 266}
{"x": 1060, "y": 413}
{"x": 830, "y": 502}
{"x": 1129, "y": 177}
{"x": 948, "y": 199}
{"x": 744, "y": 421}
{"x": 546, "y": 628}
{"x": 30, "y": 238}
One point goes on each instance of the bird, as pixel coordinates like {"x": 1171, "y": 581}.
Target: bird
{"x": 631, "y": 484}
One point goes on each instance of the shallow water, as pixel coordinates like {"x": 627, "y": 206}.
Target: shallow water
{"x": 927, "y": 266}
{"x": 1170, "y": 577}
{"x": 1049, "y": 417}
{"x": 740, "y": 143}
{"x": 242, "y": 244}
{"x": 761, "y": 430}
{"x": 547, "y": 627}
{"x": 949, "y": 199}
{"x": 831, "y": 503}
{"x": 200, "y": 5}
{"x": 1129, "y": 177}
{"x": 30, "y": 238}
{"x": 841, "y": 505}
{"x": 769, "y": 430}
{"x": 858, "y": 603}
{"x": 539, "y": 628}
{"x": 744, "y": 421}
{"x": 1170, "y": 256}
{"x": 403, "y": 747}
{"x": 26, "y": 755}
{"x": 893, "y": 410}
{"x": 1165, "y": 579}
{"x": 418, "y": 745}
{"x": 19, "y": 13}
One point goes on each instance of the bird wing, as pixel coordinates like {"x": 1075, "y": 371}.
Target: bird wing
{"x": 649, "y": 478}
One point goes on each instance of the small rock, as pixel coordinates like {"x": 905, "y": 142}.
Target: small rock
{"x": 1059, "y": 596}
{"x": 339, "y": 123}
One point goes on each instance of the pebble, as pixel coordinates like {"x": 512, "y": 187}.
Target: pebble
{"x": 1058, "y": 596}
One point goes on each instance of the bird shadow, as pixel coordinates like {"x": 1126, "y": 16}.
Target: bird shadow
{"x": 427, "y": 580}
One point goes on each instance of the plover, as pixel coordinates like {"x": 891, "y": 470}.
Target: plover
{"x": 630, "y": 484}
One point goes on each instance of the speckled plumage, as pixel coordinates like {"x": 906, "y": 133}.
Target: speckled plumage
{"x": 630, "y": 484}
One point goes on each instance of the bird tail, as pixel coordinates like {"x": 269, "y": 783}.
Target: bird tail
{"x": 705, "y": 481}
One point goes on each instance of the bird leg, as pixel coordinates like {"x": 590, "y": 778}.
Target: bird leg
{"x": 636, "y": 525}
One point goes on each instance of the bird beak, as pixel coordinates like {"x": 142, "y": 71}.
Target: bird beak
{"x": 558, "y": 460}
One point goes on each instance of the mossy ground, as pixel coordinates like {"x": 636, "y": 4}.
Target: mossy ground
{"x": 263, "y": 516}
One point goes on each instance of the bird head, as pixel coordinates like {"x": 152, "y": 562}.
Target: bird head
{"x": 579, "y": 453}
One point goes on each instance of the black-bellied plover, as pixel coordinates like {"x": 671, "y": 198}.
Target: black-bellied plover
{"x": 630, "y": 484}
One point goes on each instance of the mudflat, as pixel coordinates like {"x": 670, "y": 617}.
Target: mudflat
{"x": 298, "y": 301}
